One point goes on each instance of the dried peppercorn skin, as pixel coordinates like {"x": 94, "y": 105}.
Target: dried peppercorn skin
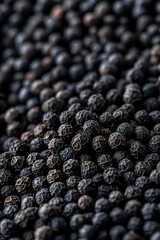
{"x": 79, "y": 120}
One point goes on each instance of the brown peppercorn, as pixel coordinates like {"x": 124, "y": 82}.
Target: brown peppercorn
{"x": 11, "y": 200}
{"x": 57, "y": 12}
{"x": 11, "y": 115}
{"x": 55, "y": 145}
{"x": 37, "y": 86}
{"x": 54, "y": 175}
{"x": 43, "y": 233}
{"x": 34, "y": 114}
{"x": 79, "y": 141}
{"x": 53, "y": 161}
{"x": 39, "y": 167}
{"x": 27, "y": 136}
{"x": 116, "y": 140}
{"x": 65, "y": 131}
{"x": 14, "y": 129}
{"x": 18, "y": 148}
{"x": 85, "y": 202}
{"x": 22, "y": 184}
{"x": 39, "y": 130}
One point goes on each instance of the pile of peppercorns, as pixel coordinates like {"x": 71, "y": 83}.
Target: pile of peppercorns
{"x": 80, "y": 120}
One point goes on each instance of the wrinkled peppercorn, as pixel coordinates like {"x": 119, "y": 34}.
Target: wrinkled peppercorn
{"x": 80, "y": 120}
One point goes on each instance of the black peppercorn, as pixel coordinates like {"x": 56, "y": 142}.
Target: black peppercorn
{"x": 99, "y": 144}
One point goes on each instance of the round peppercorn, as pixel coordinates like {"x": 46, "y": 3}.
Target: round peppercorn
{"x": 99, "y": 144}
{"x": 7, "y": 227}
{"x": 154, "y": 144}
{"x": 91, "y": 128}
{"x": 5, "y": 176}
{"x": 65, "y": 131}
{"x": 135, "y": 224}
{"x": 86, "y": 231}
{"x": 53, "y": 161}
{"x": 11, "y": 115}
{"x": 43, "y": 232}
{"x": 34, "y": 115}
{"x": 85, "y": 203}
{"x": 120, "y": 115}
{"x": 67, "y": 153}
{"x": 32, "y": 157}
{"x": 155, "y": 176}
{"x": 72, "y": 181}
{"x": 83, "y": 116}
{"x": 76, "y": 221}
{"x": 106, "y": 119}
{"x": 111, "y": 175}
{"x": 119, "y": 155}
{"x": 79, "y": 141}
{"x": 157, "y": 129}
{"x": 137, "y": 150}
{"x": 86, "y": 186}
{"x": 116, "y": 140}
{"x": 132, "y": 192}
{"x": 11, "y": 200}
{"x": 50, "y": 120}
{"x": 143, "y": 183}
{"x": 103, "y": 205}
{"x": 104, "y": 161}
{"x": 129, "y": 178}
{"x": 42, "y": 196}
{"x": 117, "y": 232}
{"x": 116, "y": 197}
{"x": 28, "y": 201}
{"x": 7, "y": 191}
{"x": 55, "y": 144}
{"x": 142, "y": 168}
{"x": 5, "y": 159}
{"x": 10, "y": 210}
{"x": 18, "y": 148}
{"x": 17, "y": 163}
{"x": 71, "y": 167}
{"x": 125, "y": 129}
{"x": 39, "y": 182}
{"x": 141, "y": 117}
{"x": 22, "y": 184}
{"x": 70, "y": 209}
{"x": 117, "y": 215}
{"x": 113, "y": 96}
{"x": 133, "y": 208}
{"x": 36, "y": 145}
{"x": 100, "y": 220}
{"x": 96, "y": 102}
{"x": 152, "y": 195}
{"x": 72, "y": 195}
{"x": 52, "y": 105}
{"x": 88, "y": 169}
{"x": 57, "y": 189}
{"x": 142, "y": 133}
{"x": 39, "y": 167}
{"x": 66, "y": 117}
{"x": 125, "y": 165}
{"x": 132, "y": 94}
{"x": 54, "y": 175}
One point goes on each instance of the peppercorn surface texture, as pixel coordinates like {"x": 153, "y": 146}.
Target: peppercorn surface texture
{"x": 79, "y": 120}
